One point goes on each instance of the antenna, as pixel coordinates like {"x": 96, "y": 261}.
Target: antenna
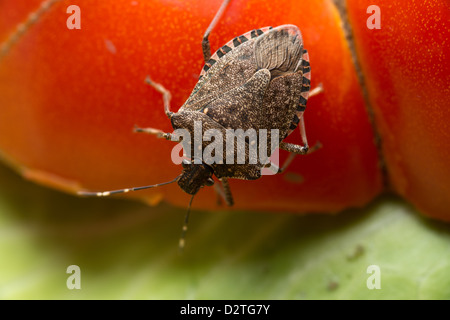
{"x": 182, "y": 241}
{"x": 108, "y": 193}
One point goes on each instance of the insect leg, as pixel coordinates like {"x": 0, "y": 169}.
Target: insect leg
{"x": 297, "y": 149}
{"x": 224, "y": 192}
{"x": 158, "y": 133}
{"x": 166, "y": 95}
{"x": 23, "y": 27}
{"x": 316, "y": 90}
{"x": 205, "y": 42}
{"x": 220, "y": 194}
{"x": 287, "y": 162}
{"x": 227, "y": 192}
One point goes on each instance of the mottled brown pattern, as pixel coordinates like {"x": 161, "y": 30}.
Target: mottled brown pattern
{"x": 258, "y": 84}
{"x": 185, "y": 120}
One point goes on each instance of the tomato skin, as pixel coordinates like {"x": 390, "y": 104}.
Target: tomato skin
{"x": 406, "y": 68}
{"x": 72, "y": 97}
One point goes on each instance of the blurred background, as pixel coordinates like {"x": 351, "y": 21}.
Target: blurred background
{"x": 326, "y": 229}
{"x": 127, "y": 250}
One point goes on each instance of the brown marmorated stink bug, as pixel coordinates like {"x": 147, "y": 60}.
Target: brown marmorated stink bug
{"x": 253, "y": 88}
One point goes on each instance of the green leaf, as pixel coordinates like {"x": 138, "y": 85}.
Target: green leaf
{"x": 126, "y": 250}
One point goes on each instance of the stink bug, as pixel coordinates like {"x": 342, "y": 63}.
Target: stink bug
{"x": 258, "y": 81}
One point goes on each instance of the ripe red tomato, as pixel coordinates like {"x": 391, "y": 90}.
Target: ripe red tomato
{"x": 406, "y": 68}
{"x": 70, "y": 99}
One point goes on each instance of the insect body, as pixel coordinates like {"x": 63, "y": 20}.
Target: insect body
{"x": 258, "y": 81}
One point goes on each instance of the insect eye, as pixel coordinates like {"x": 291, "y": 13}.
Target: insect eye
{"x": 209, "y": 182}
